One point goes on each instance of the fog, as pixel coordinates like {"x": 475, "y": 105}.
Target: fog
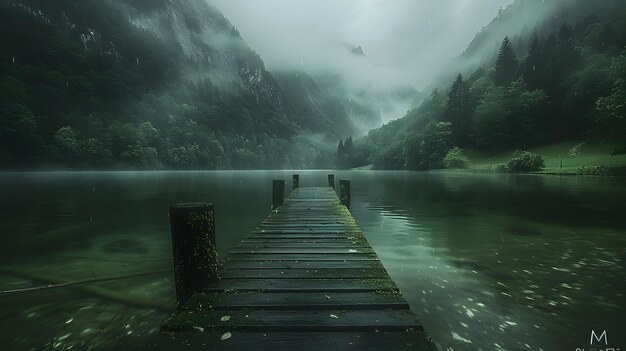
{"x": 405, "y": 42}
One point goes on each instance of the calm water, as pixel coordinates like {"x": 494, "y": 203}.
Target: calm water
{"x": 488, "y": 262}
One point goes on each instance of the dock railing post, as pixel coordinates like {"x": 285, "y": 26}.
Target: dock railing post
{"x": 193, "y": 242}
{"x": 331, "y": 181}
{"x": 344, "y": 192}
{"x": 278, "y": 193}
{"x": 296, "y": 181}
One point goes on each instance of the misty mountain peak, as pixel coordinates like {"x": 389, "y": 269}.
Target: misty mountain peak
{"x": 355, "y": 49}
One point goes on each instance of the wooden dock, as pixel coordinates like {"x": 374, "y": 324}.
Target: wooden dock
{"x": 305, "y": 279}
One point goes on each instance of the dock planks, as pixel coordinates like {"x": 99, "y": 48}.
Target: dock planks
{"x": 306, "y": 278}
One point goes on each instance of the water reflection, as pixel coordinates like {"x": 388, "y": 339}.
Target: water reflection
{"x": 492, "y": 262}
{"x": 487, "y": 261}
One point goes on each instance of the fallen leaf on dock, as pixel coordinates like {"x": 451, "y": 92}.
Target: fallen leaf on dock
{"x": 200, "y": 329}
{"x": 333, "y": 316}
{"x": 226, "y": 335}
{"x": 225, "y": 319}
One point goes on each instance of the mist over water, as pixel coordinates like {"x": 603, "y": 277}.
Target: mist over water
{"x": 486, "y": 261}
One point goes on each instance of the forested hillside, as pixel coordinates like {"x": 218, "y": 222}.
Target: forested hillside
{"x": 565, "y": 84}
{"x": 142, "y": 84}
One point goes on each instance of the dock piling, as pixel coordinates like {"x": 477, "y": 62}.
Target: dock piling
{"x": 344, "y": 192}
{"x": 331, "y": 181}
{"x": 296, "y": 181}
{"x": 278, "y": 193}
{"x": 193, "y": 242}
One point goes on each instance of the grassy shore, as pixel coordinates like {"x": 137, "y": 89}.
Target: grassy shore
{"x": 563, "y": 158}
{"x": 559, "y": 158}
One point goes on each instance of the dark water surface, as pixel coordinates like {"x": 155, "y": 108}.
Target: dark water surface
{"x": 488, "y": 262}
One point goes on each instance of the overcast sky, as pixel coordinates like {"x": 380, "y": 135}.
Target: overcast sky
{"x": 404, "y": 40}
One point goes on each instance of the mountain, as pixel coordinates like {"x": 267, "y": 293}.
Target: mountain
{"x": 325, "y": 99}
{"x": 354, "y": 108}
{"x": 541, "y": 73}
{"x": 142, "y": 84}
{"x": 522, "y": 21}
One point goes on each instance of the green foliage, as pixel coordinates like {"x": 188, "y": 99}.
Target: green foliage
{"x": 390, "y": 157}
{"x": 411, "y": 150}
{"x": 506, "y": 64}
{"x": 576, "y": 150}
{"x": 67, "y": 148}
{"x": 92, "y": 90}
{"x": 490, "y": 120}
{"x": 351, "y": 154}
{"x": 510, "y": 117}
{"x": 612, "y": 108}
{"x": 459, "y": 111}
{"x": 18, "y": 131}
{"x": 525, "y": 161}
{"x": 500, "y": 169}
{"x": 436, "y": 141}
{"x": 455, "y": 159}
{"x": 568, "y": 83}
{"x": 594, "y": 170}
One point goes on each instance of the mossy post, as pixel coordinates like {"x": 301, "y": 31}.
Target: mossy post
{"x": 331, "y": 181}
{"x": 296, "y": 181}
{"x": 193, "y": 241}
{"x": 344, "y": 192}
{"x": 278, "y": 193}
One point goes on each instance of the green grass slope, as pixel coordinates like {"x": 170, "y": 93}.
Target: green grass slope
{"x": 589, "y": 154}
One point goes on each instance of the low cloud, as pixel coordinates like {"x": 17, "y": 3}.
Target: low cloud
{"x": 406, "y": 42}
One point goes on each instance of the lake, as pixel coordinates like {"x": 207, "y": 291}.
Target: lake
{"x": 487, "y": 261}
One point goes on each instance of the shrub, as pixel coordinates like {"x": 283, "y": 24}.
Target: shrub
{"x": 576, "y": 150}
{"x": 594, "y": 170}
{"x": 500, "y": 169}
{"x": 455, "y": 159}
{"x": 525, "y": 161}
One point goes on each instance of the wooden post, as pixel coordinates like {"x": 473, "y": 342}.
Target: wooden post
{"x": 278, "y": 193}
{"x": 296, "y": 181}
{"x": 344, "y": 192}
{"x": 331, "y": 181}
{"x": 193, "y": 241}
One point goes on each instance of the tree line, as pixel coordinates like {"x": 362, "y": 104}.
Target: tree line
{"x": 570, "y": 85}
{"x": 119, "y": 98}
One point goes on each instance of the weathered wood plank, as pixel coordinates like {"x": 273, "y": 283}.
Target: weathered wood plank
{"x": 347, "y": 245}
{"x": 302, "y": 285}
{"x": 306, "y": 278}
{"x": 289, "y": 341}
{"x": 301, "y": 250}
{"x": 329, "y": 273}
{"x": 308, "y": 234}
{"x": 311, "y": 264}
{"x": 264, "y": 242}
{"x": 316, "y": 320}
{"x": 296, "y": 301}
{"x": 303, "y": 257}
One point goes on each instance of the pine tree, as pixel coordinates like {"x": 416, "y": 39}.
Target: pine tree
{"x": 459, "y": 111}
{"x": 340, "y": 158}
{"x": 566, "y": 49}
{"x": 506, "y": 64}
{"x": 340, "y": 147}
{"x": 534, "y": 66}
